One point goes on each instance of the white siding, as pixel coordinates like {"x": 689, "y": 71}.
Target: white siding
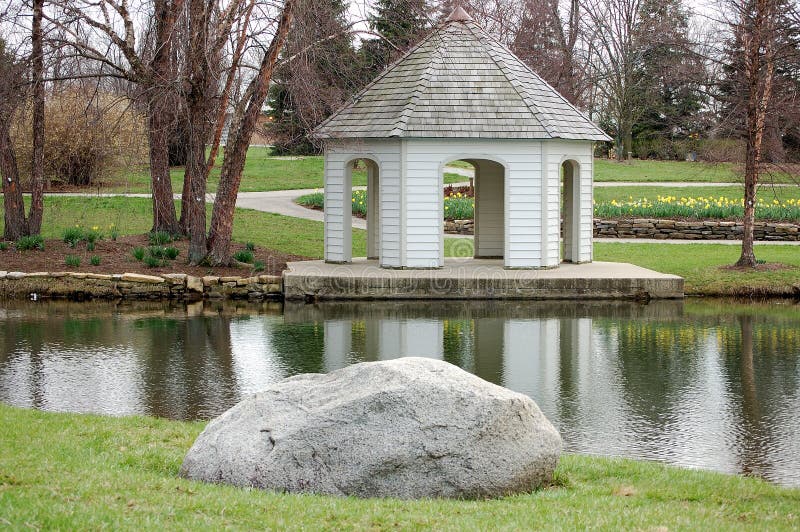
{"x": 523, "y": 213}
{"x": 338, "y": 185}
{"x": 580, "y": 152}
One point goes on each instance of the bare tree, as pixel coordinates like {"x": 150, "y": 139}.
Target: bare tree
{"x": 756, "y": 22}
{"x": 37, "y": 75}
{"x": 13, "y": 90}
{"x": 547, "y": 42}
{"x": 239, "y": 141}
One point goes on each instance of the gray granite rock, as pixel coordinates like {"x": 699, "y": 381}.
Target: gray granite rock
{"x": 406, "y": 428}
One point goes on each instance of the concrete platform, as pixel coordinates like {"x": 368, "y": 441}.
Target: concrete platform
{"x": 477, "y": 279}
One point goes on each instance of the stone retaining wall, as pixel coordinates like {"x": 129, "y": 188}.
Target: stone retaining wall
{"x": 693, "y": 230}
{"x": 70, "y": 285}
{"x": 669, "y": 229}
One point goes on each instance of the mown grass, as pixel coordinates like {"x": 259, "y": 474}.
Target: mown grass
{"x": 69, "y": 471}
{"x": 132, "y": 216}
{"x": 262, "y": 173}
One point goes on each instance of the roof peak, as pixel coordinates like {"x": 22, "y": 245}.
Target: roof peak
{"x": 459, "y": 14}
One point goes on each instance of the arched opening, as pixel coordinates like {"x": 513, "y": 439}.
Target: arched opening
{"x": 482, "y": 184}
{"x": 362, "y": 179}
{"x": 570, "y": 211}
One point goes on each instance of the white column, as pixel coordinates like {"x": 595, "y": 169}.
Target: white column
{"x": 338, "y": 209}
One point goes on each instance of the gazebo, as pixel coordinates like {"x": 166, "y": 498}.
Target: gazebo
{"x": 461, "y": 95}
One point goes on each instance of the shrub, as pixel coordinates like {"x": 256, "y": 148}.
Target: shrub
{"x": 113, "y": 232}
{"x": 721, "y": 150}
{"x": 89, "y": 136}
{"x": 171, "y": 253}
{"x": 244, "y": 256}
{"x": 25, "y": 243}
{"x": 159, "y": 238}
{"x": 95, "y": 260}
{"x": 258, "y": 266}
{"x": 138, "y": 253}
{"x": 90, "y": 246}
{"x": 152, "y": 262}
{"x": 72, "y": 261}
{"x": 73, "y": 235}
{"x": 3, "y": 246}
{"x": 250, "y": 246}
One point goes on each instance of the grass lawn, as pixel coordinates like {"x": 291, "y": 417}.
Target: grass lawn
{"x": 69, "y": 471}
{"x": 697, "y": 263}
{"x": 264, "y": 173}
{"x": 261, "y": 173}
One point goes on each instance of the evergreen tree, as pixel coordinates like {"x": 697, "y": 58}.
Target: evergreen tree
{"x": 321, "y": 71}
{"x": 671, "y": 76}
{"x": 400, "y": 24}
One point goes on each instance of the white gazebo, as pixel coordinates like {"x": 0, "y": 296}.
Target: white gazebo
{"x": 460, "y": 95}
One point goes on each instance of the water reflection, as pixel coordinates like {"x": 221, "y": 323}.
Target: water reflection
{"x": 712, "y": 385}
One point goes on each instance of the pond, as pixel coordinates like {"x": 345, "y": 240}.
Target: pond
{"x": 708, "y": 384}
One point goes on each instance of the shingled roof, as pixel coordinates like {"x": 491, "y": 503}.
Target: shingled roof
{"x": 459, "y": 83}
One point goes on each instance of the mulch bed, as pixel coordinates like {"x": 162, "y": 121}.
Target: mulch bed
{"x": 767, "y": 267}
{"x": 116, "y": 257}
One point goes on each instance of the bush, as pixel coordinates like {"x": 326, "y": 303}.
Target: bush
{"x": 171, "y": 253}
{"x": 258, "y": 266}
{"x": 250, "y": 246}
{"x": 95, "y": 260}
{"x": 244, "y": 255}
{"x": 88, "y": 137}
{"x": 138, "y": 253}
{"x": 3, "y": 246}
{"x": 72, "y": 261}
{"x": 25, "y": 243}
{"x": 721, "y": 150}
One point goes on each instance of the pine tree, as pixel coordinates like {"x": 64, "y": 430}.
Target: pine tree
{"x": 400, "y": 24}
{"x": 671, "y": 76}
{"x": 321, "y": 71}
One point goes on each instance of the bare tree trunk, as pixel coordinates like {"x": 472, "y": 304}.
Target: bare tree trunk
{"x": 759, "y": 71}
{"x": 14, "y": 216}
{"x": 236, "y": 154}
{"x": 37, "y": 167}
{"x": 198, "y": 78}
{"x": 160, "y": 116}
{"x": 158, "y": 132}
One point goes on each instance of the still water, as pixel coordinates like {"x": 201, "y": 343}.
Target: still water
{"x": 713, "y": 385}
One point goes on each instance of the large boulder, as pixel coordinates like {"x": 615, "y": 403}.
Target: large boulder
{"x": 407, "y": 428}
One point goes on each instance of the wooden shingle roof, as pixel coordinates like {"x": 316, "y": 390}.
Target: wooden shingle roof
{"x": 459, "y": 83}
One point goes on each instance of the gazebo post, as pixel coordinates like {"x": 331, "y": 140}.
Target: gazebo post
{"x": 338, "y": 209}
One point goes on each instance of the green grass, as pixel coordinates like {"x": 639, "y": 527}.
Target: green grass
{"x": 68, "y": 471}
{"x": 646, "y": 170}
{"x": 700, "y": 265}
{"x": 261, "y": 173}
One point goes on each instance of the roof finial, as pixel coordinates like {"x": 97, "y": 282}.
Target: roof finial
{"x": 459, "y": 15}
